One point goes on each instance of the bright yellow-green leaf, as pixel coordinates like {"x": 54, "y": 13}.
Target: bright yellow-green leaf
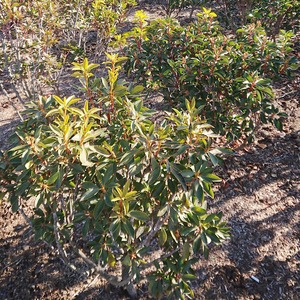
{"x": 111, "y": 259}
{"x": 140, "y": 16}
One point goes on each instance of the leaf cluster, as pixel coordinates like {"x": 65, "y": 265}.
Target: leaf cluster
{"x": 114, "y": 187}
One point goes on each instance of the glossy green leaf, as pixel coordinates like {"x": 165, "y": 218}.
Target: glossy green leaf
{"x": 53, "y": 178}
{"x": 91, "y": 192}
{"x": 162, "y": 236}
{"x": 139, "y": 215}
{"x": 185, "y": 251}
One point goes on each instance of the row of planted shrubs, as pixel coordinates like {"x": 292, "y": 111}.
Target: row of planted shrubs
{"x": 229, "y": 76}
{"x": 274, "y": 15}
{"x": 125, "y": 193}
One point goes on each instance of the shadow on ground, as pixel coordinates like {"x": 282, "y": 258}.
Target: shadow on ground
{"x": 260, "y": 197}
{"x": 30, "y": 270}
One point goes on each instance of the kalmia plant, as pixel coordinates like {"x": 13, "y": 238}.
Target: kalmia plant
{"x": 229, "y": 76}
{"x": 277, "y": 15}
{"x": 274, "y": 15}
{"x": 123, "y": 193}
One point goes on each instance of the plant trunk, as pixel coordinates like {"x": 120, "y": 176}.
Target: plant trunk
{"x": 130, "y": 288}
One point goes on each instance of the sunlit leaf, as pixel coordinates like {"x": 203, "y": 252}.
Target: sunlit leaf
{"x": 139, "y": 215}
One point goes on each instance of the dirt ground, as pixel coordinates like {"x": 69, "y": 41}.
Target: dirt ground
{"x": 259, "y": 197}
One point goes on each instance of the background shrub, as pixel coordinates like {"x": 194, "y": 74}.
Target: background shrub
{"x": 229, "y": 76}
{"x": 40, "y": 38}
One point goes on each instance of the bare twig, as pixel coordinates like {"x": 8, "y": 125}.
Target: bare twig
{"x": 114, "y": 280}
{"x": 166, "y": 255}
{"x": 61, "y": 251}
{"x": 24, "y": 215}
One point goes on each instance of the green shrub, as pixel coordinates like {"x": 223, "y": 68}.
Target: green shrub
{"x": 274, "y": 15}
{"x": 228, "y": 76}
{"x": 122, "y": 192}
{"x": 277, "y": 15}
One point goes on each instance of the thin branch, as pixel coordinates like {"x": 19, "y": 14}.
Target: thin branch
{"x": 26, "y": 218}
{"x": 101, "y": 271}
{"x": 288, "y": 94}
{"x": 149, "y": 264}
{"x": 61, "y": 251}
{"x": 156, "y": 228}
